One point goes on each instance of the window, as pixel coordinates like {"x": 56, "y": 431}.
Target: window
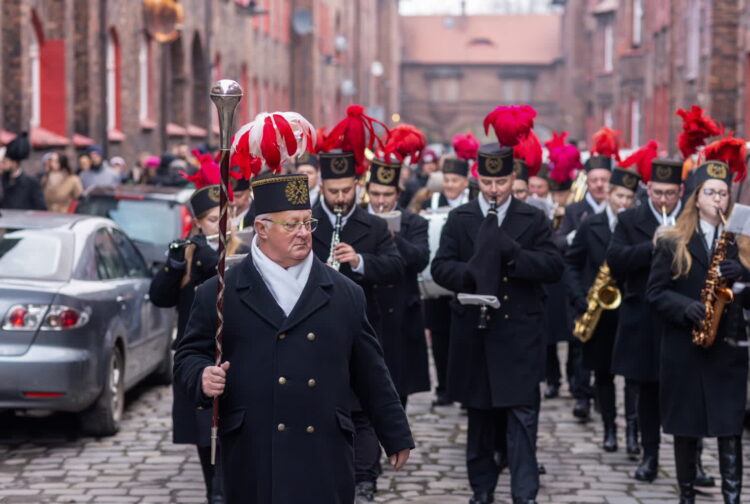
{"x": 609, "y": 49}
{"x": 607, "y": 117}
{"x": 113, "y": 81}
{"x": 145, "y": 83}
{"x": 36, "y": 79}
{"x": 637, "y": 23}
{"x": 444, "y": 89}
{"x": 635, "y": 123}
{"x": 517, "y": 90}
{"x": 136, "y": 266}
{"x": 692, "y": 45}
{"x": 109, "y": 265}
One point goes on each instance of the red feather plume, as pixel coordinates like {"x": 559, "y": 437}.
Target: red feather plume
{"x": 355, "y": 133}
{"x": 405, "y": 141}
{"x": 466, "y": 146}
{"x": 697, "y": 126}
{"x": 606, "y": 142}
{"x": 557, "y": 140}
{"x": 321, "y": 140}
{"x": 209, "y": 173}
{"x": 642, "y": 158}
{"x": 731, "y": 151}
{"x": 530, "y": 150}
{"x": 564, "y": 163}
{"x": 510, "y": 123}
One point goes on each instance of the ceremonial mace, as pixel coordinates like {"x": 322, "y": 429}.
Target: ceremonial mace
{"x": 225, "y": 94}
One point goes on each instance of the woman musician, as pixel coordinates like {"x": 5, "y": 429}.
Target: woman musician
{"x": 702, "y": 388}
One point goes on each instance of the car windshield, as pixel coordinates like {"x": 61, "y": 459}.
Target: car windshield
{"x": 142, "y": 220}
{"x": 35, "y": 254}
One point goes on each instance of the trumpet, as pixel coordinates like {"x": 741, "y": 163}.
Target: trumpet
{"x": 335, "y": 239}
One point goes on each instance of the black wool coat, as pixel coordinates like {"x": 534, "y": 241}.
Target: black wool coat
{"x": 286, "y": 432}
{"x": 23, "y": 192}
{"x": 403, "y": 335}
{"x": 636, "y": 352}
{"x": 582, "y": 262}
{"x": 189, "y": 426}
{"x": 502, "y": 365}
{"x": 702, "y": 390}
{"x": 575, "y": 213}
{"x": 368, "y": 235}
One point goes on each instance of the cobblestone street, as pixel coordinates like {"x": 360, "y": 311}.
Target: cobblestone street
{"x": 42, "y": 461}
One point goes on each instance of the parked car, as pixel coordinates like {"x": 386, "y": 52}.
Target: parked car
{"x": 77, "y": 328}
{"x": 152, "y": 216}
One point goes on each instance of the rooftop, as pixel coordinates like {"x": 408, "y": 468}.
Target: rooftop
{"x": 531, "y": 39}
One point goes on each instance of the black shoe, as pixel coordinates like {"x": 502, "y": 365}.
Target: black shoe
{"x": 610, "y": 438}
{"x": 482, "y": 498}
{"x": 541, "y": 469}
{"x": 441, "y": 400}
{"x": 517, "y": 500}
{"x": 730, "y": 464}
{"x": 701, "y": 478}
{"x": 364, "y": 492}
{"x": 582, "y": 409}
{"x": 647, "y": 469}
{"x": 631, "y": 439}
{"x": 687, "y": 493}
{"x": 552, "y": 390}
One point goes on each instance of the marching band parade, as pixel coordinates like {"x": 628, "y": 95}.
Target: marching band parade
{"x": 328, "y": 272}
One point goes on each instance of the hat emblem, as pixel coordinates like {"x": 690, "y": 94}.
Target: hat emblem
{"x": 629, "y": 181}
{"x": 663, "y": 173}
{"x": 296, "y": 192}
{"x": 385, "y": 175}
{"x": 214, "y": 194}
{"x": 492, "y": 165}
{"x": 339, "y": 165}
{"x": 716, "y": 170}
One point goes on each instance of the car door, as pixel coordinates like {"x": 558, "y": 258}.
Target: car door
{"x": 155, "y": 322}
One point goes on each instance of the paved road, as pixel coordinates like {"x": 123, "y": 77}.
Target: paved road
{"x": 42, "y": 460}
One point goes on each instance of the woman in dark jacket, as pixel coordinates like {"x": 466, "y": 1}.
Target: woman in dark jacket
{"x": 703, "y": 390}
{"x": 190, "y": 263}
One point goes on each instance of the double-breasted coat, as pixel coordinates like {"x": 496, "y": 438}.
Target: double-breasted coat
{"x": 702, "y": 390}
{"x": 403, "y": 338}
{"x": 502, "y": 365}
{"x": 369, "y": 236}
{"x": 285, "y": 427}
{"x": 575, "y": 213}
{"x": 583, "y": 259}
{"x": 636, "y": 352}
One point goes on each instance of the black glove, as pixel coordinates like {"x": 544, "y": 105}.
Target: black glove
{"x": 205, "y": 258}
{"x": 695, "y": 312}
{"x": 176, "y": 252}
{"x": 508, "y": 247}
{"x": 731, "y": 269}
{"x": 581, "y": 306}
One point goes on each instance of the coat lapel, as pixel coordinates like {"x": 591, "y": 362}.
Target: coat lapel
{"x": 518, "y": 219}
{"x": 471, "y": 219}
{"x": 356, "y": 228}
{"x": 253, "y": 292}
{"x": 600, "y": 229}
{"x": 697, "y": 247}
{"x": 645, "y": 220}
{"x": 314, "y": 296}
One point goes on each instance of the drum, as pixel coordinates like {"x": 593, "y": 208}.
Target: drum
{"x": 427, "y": 286}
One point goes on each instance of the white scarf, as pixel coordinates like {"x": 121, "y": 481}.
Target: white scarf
{"x": 598, "y": 207}
{"x": 285, "y": 284}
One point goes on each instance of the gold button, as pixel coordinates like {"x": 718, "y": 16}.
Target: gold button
{"x": 310, "y": 429}
{"x": 505, "y": 298}
{"x": 506, "y": 317}
{"x": 310, "y": 336}
{"x": 281, "y": 427}
{"x": 390, "y": 310}
{"x": 311, "y": 382}
{"x": 282, "y": 335}
{"x": 198, "y": 263}
{"x": 166, "y": 269}
{"x": 282, "y": 380}
{"x": 505, "y": 279}
{"x": 195, "y": 288}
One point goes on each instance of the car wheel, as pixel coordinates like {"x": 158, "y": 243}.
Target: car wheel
{"x": 163, "y": 373}
{"x": 103, "y": 418}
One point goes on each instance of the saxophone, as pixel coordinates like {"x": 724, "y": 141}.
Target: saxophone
{"x": 715, "y": 294}
{"x": 335, "y": 240}
{"x": 602, "y": 295}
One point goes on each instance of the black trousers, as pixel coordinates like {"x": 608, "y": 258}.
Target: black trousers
{"x": 212, "y": 475}
{"x": 579, "y": 379}
{"x": 438, "y": 321}
{"x": 366, "y": 449}
{"x": 519, "y": 427}
{"x": 606, "y": 395}
{"x": 649, "y": 418}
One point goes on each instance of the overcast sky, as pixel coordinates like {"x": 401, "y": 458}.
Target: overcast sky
{"x": 418, "y": 7}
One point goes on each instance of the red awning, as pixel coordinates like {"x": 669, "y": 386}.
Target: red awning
{"x": 41, "y": 137}
{"x": 196, "y": 131}
{"x": 81, "y": 140}
{"x": 116, "y": 135}
{"x": 176, "y": 130}
{"x": 6, "y": 136}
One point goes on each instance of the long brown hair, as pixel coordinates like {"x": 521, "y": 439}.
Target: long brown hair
{"x": 681, "y": 234}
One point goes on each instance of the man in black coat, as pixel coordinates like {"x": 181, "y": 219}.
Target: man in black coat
{"x": 598, "y": 172}
{"x": 299, "y": 344}
{"x": 403, "y": 335}
{"x": 367, "y": 254}
{"x": 19, "y": 190}
{"x": 584, "y": 261}
{"x": 497, "y": 245}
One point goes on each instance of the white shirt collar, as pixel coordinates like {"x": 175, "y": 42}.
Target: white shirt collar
{"x": 708, "y": 231}
{"x": 611, "y": 217}
{"x": 598, "y": 207}
{"x": 672, "y": 217}
{"x": 332, "y": 216}
{"x": 463, "y": 198}
{"x": 484, "y": 205}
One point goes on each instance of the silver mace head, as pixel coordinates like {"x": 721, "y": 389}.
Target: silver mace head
{"x": 226, "y": 94}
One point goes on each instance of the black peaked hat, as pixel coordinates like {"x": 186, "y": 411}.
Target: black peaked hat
{"x": 239, "y": 184}
{"x": 521, "y": 169}
{"x": 279, "y": 193}
{"x": 456, "y": 166}
{"x": 307, "y": 159}
{"x": 204, "y": 199}
{"x": 337, "y": 164}
{"x": 384, "y": 173}
{"x": 667, "y": 171}
{"x": 495, "y": 161}
{"x": 711, "y": 170}
{"x": 625, "y": 178}
{"x": 19, "y": 148}
{"x": 598, "y": 162}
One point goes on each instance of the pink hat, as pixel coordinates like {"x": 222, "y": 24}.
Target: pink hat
{"x": 152, "y": 162}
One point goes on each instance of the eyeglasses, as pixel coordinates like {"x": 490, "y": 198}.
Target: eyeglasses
{"x": 292, "y": 227}
{"x": 665, "y": 194}
{"x": 713, "y": 192}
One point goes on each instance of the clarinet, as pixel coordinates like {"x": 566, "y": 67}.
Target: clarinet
{"x": 335, "y": 240}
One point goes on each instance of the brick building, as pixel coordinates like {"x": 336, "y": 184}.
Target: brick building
{"x": 76, "y": 72}
{"x": 456, "y": 69}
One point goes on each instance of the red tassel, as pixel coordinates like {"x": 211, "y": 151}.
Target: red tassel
{"x": 405, "y": 140}
{"x": 530, "y": 150}
{"x": 355, "y": 133}
{"x": 731, "y": 151}
{"x": 564, "y": 163}
{"x": 466, "y": 146}
{"x": 322, "y": 137}
{"x": 642, "y": 158}
{"x": 697, "y": 126}
{"x": 606, "y": 142}
{"x": 511, "y": 124}
{"x": 557, "y": 140}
